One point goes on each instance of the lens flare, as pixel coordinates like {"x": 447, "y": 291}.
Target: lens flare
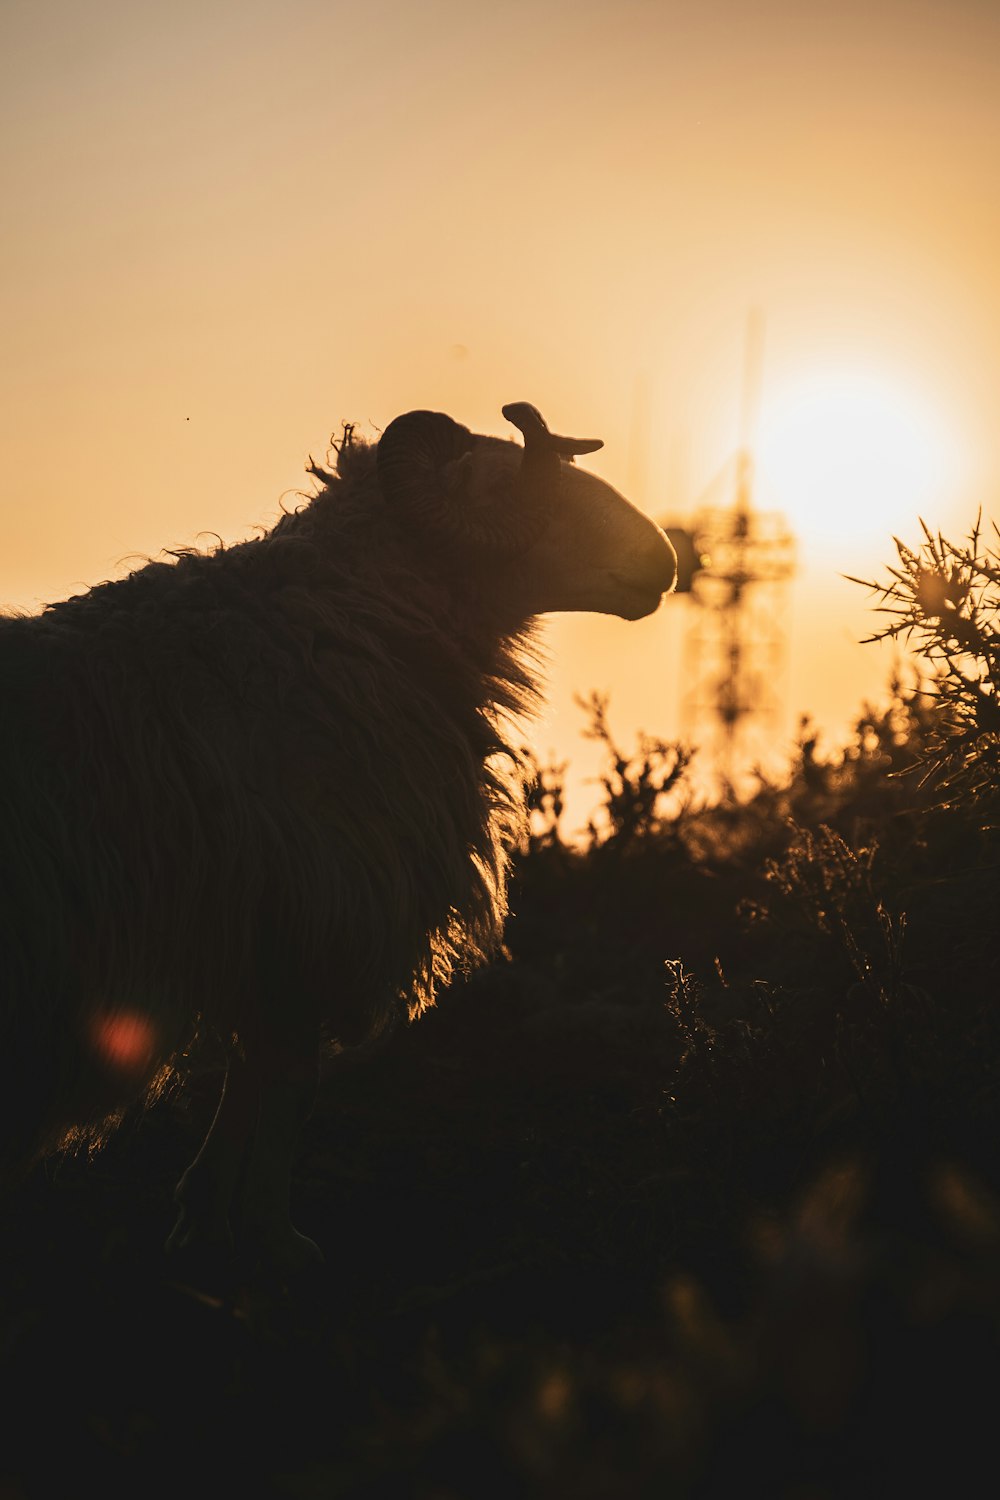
{"x": 125, "y": 1040}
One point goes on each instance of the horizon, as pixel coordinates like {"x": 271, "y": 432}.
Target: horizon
{"x": 216, "y": 253}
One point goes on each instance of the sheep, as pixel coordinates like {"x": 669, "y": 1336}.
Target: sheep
{"x": 267, "y": 792}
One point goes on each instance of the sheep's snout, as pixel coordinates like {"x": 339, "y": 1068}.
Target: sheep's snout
{"x": 649, "y": 574}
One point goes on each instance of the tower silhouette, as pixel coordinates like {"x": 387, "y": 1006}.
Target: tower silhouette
{"x": 739, "y": 561}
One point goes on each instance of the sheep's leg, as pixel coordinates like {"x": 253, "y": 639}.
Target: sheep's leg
{"x": 207, "y": 1189}
{"x": 288, "y": 1085}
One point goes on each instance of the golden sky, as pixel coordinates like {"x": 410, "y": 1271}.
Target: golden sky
{"x": 230, "y": 225}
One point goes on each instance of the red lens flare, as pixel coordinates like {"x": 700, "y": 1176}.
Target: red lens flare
{"x": 126, "y": 1040}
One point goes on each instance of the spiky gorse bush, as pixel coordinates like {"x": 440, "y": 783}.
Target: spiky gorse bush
{"x": 642, "y": 794}
{"x": 944, "y": 600}
{"x": 637, "y": 788}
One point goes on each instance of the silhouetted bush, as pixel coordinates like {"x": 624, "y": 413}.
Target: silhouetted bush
{"x": 695, "y": 1193}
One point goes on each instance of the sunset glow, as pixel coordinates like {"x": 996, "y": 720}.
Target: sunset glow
{"x": 216, "y": 251}
{"x": 499, "y": 748}
{"x": 852, "y": 457}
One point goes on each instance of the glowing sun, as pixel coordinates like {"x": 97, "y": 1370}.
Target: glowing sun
{"x": 852, "y": 457}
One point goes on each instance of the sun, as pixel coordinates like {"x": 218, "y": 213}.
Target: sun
{"x": 852, "y": 457}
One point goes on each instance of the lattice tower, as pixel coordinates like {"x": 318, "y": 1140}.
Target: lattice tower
{"x": 735, "y": 648}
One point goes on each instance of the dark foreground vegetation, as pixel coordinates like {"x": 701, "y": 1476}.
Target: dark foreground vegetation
{"x": 696, "y": 1193}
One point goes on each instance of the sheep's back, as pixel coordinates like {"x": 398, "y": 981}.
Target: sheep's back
{"x": 224, "y": 776}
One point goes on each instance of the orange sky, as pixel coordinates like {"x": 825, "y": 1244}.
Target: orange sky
{"x": 231, "y": 225}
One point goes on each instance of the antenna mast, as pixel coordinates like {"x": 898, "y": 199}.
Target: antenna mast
{"x": 735, "y": 651}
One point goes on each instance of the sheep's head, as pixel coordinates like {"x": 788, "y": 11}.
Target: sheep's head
{"x": 545, "y": 534}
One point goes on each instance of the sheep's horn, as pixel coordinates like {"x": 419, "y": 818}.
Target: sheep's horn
{"x": 538, "y": 439}
{"x": 412, "y": 452}
{"x": 420, "y": 477}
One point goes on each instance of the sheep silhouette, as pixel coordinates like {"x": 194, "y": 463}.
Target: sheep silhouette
{"x": 267, "y": 792}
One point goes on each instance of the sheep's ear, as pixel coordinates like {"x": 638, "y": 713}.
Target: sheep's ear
{"x": 539, "y": 476}
{"x": 537, "y": 438}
